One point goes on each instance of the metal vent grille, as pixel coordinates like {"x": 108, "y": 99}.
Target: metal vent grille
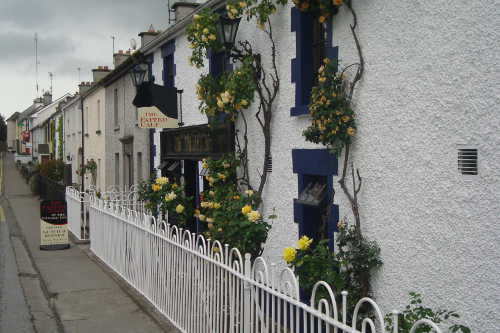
{"x": 269, "y": 164}
{"x": 467, "y": 161}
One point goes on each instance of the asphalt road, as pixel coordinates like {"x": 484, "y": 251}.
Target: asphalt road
{"x": 15, "y": 316}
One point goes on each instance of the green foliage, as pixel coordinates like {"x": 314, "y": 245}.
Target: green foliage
{"x": 231, "y": 216}
{"x": 202, "y": 34}
{"x": 332, "y": 117}
{"x": 52, "y": 169}
{"x": 359, "y": 257}
{"x": 60, "y": 148}
{"x": 349, "y": 269}
{"x": 323, "y": 9}
{"x": 416, "y": 311}
{"x": 259, "y": 9}
{"x": 230, "y": 93}
{"x": 162, "y": 196}
{"x": 52, "y": 136}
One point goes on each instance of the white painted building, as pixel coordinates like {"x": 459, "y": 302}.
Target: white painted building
{"x": 429, "y": 90}
{"x": 72, "y": 114}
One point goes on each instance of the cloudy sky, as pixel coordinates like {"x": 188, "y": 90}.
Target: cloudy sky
{"x": 71, "y": 34}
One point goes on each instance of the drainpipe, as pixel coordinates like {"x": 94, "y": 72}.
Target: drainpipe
{"x": 83, "y": 143}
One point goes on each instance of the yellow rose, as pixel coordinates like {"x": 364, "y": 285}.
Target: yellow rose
{"x": 246, "y": 209}
{"x": 322, "y": 79}
{"x": 217, "y": 205}
{"x": 174, "y": 186}
{"x": 179, "y": 209}
{"x": 326, "y": 61}
{"x": 155, "y": 187}
{"x": 345, "y": 119}
{"x": 289, "y": 254}
{"x": 351, "y": 131}
{"x": 226, "y": 165}
{"x": 242, "y": 4}
{"x": 249, "y": 193}
{"x": 304, "y": 242}
{"x": 211, "y": 193}
{"x": 221, "y": 175}
{"x": 236, "y": 197}
{"x": 161, "y": 180}
{"x": 212, "y": 37}
{"x": 321, "y": 19}
{"x": 170, "y": 196}
{"x": 205, "y": 31}
{"x": 210, "y": 220}
{"x": 201, "y": 217}
{"x": 196, "y": 212}
{"x": 204, "y": 38}
{"x": 244, "y": 102}
{"x": 253, "y": 216}
{"x": 234, "y": 11}
{"x": 197, "y": 17}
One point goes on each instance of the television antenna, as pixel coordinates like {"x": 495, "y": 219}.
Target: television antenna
{"x": 36, "y": 63}
{"x": 51, "y": 75}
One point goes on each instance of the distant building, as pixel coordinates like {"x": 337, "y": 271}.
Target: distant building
{"x": 12, "y": 131}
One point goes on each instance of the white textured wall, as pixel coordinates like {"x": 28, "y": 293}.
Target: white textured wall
{"x": 431, "y": 82}
{"x": 95, "y": 146}
{"x": 73, "y": 137}
{"x": 127, "y": 126}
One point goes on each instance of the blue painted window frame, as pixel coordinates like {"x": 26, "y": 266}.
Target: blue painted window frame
{"x": 302, "y": 72}
{"x": 308, "y": 163}
{"x": 167, "y": 54}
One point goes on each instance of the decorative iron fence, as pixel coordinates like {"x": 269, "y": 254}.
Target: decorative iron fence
{"x": 201, "y": 285}
{"x": 78, "y": 206}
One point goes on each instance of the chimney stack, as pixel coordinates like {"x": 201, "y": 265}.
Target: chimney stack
{"x": 183, "y": 9}
{"x": 47, "y": 98}
{"x": 119, "y": 58}
{"x": 100, "y": 72}
{"x": 148, "y": 36}
{"x": 83, "y": 87}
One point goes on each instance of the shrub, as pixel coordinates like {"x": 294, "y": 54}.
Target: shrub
{"x": 53, "y": 170}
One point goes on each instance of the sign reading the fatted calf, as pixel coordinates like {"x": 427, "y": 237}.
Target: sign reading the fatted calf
{"x": 152, "y": 117}
{"x": 53, "y": 225}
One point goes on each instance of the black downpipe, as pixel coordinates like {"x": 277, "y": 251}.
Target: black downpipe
{"x": 83, "y": 143}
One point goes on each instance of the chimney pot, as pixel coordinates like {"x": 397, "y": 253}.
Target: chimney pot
{"x": 183, "y": 9}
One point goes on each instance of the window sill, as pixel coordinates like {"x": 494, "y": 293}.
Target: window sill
{"x": 299, "y": 110}
{"x": 117, "y": 128}
{"x": 98, "y": 132}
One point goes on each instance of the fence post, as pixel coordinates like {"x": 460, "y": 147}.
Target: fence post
{"x": 247, "y": 295}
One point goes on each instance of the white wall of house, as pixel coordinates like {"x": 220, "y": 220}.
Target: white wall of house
{"x": 127, "y": 145}
{"x": 429, "y": 87}
{"x": 11, "y": 133}
{"x": 94, "y": 126}
{"x": 73, "y": 137}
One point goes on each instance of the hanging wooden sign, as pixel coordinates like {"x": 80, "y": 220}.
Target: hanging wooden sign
{"x": 53, "y": 225}
{"x": 152, "y": 117}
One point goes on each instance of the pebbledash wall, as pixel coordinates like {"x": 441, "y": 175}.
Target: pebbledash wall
{"x": 73, "y": 137}
{"x": 430, "y": 86}
{"x": 123, "y": 136}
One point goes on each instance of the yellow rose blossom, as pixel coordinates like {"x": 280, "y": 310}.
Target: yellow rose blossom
{"x": 236, "y": 197}
{"x": 326, "y": 61}
{"x": 321, "y": 19}
{"x": 210, "y": 220}
{"x": 244, "y": 102}
{"x": 289, "y": 254}
{"x": 179, "y": 209}
{"x": 246, "y": 209}
{"x": 204, "y": 38}
{"x": 253, "y": 216}
{"x": 242, "y": 4}
{"x": 226, "y": 165}
{"x": 161, "y": 180}
{"x": 174, "y": 186}
{"x": 304, "y": 242}
{"x": 156, "y": 187}
{"x": 201, "y": 217}
{"x": 322, "y": 79}
{"x": 351, "y": 131}
{"x": 170, "y": 196}
{"x": 212, "y": 37}
{"x": 217, "y": 205}
{"x": 221, "y": 175}
{"x": 206, "y": 31}
{"x": 197, "y": 17}
{"x": 345, "y": 119}
{"x": 196, "y": 212}
{"x": 211, "y": 193}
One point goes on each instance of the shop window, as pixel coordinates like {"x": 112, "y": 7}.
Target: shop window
{"x": 314, "y": 212}
{"x": 313, "y": 44}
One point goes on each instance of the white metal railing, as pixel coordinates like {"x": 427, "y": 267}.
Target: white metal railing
{"x": 77, "y": 204}
{"x": 203, "y": 286}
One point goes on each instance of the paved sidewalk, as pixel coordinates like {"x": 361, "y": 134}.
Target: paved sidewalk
{"x": 86, "y": 298}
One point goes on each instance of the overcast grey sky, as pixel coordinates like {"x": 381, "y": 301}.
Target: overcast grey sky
{"x": 71, "y": 34}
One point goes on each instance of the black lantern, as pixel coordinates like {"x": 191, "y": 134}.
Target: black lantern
{"x": 227, "y": 30}
{"x": 138, "y": 74}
